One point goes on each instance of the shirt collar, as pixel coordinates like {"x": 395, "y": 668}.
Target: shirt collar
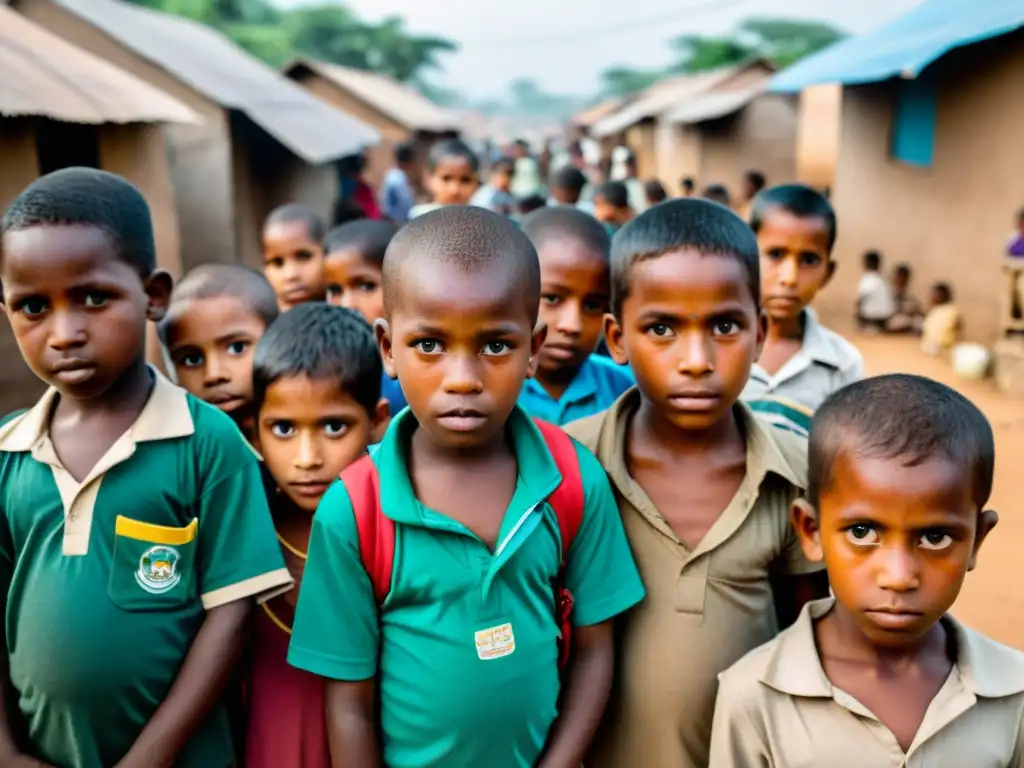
{"x": 582, "y": 386}
{"x": 986, "y": 668}
{"x": 816, "y": 344}
{"x": 764, "y": 455}
{"x": 538, "y": 474}
{"x": 166, "y": 415}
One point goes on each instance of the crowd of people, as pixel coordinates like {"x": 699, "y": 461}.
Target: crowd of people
{"x": 610, "y": 492}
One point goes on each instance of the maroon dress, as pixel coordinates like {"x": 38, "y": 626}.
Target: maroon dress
{"x": 287, "y": 724}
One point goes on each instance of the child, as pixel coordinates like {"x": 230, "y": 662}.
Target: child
{"x": 571, "y": 381}
{"x": 941, "y": 327}
{"x": 1015, "y": 248}
{"x": 875, "y": 305}
{"x": 355, "y": 253}
{"x": 753, "y": 183}
{"x": 293, "y": 257}
{"x": 453, "y": 176}
{"x": 397, "y": 196}
{"x": 717, "y": 193}
{"x": 802, "y": 361}
{"x": 460, "y": 657}
{"x": 908, "y": 315}
{"x": 567, "y": 185}
{"x": 134, "y": 532}
{"x": 317, "y": 392}
{"x": 654, "y": 193}
{"x": 495, "y": 195}
{"x": 881, "y": 675}
{"x": 611, "y": 205}
{"x": 217, "y": 314}
{"x": 687, "y": 186}
{"x": 531, "y": 203}
{"x": 704, "y": 487}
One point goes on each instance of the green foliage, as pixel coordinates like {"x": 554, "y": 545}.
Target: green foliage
{"x": 328, "y": 32}
{"x": 621, "y": 81}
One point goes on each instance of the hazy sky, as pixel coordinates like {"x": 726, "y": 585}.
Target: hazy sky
{"x": 564, "y": 44}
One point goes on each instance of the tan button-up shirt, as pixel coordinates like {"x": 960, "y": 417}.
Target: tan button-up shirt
{"x": 777, "y": 708}
{"x": 706, "y": 607}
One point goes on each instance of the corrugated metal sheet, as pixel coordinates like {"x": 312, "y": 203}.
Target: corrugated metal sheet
{"x": 407, "y": 107}
{"x": 44, "y": 75}
{"x": 217, "y": 68}
{"x": 907, "y": 45}
{"x": 712, "y": 105}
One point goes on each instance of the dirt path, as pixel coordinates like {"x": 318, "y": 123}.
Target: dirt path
{"x": 992, "y": 600}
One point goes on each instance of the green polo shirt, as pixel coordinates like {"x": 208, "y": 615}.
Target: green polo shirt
{"x": 466, "y": 642}
{"x": 108, "y": 580}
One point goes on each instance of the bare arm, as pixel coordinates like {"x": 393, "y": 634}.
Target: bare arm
{"x": 589, "y": 684}
{"x": 352, "y": 724}
{"x": 206, "y": 671}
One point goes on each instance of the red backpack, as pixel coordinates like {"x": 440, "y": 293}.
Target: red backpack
{"x": 377, "y": 531}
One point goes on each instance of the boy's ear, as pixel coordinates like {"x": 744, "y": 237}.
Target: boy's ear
{"x": 380, "y": 420}
{"x": 540, "y": 332}
{"x": 158, "y": 288}
{"x": 805, "y": 521}
{"x": 987, "y": 520}
{"x": 383, "y": 332}
{"x": 613, "y": 337}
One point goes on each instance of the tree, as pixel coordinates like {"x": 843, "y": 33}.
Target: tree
{"x": 620, "y": 81}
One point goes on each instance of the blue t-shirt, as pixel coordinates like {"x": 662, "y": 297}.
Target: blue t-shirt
{"x": 391, "y": 391}
{"x": 598, "y": 384}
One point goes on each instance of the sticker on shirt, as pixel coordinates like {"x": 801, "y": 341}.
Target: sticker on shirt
{"x": 158, "y": 570}
{"x": 495, "y": 642}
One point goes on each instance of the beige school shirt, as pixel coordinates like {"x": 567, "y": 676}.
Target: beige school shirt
{"x": 777, "y": 709}
{"x": 705, "y": 608}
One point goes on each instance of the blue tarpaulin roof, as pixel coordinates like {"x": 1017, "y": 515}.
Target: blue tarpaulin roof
{"x": 905, "y": 46}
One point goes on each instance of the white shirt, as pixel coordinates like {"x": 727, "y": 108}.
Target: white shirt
{"x": 875, "y": 297}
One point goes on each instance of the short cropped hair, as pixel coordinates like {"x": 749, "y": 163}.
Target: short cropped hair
{"x": 212, "y": 281}
{"x": 298, "y": 212}
{"x": 367, "y": 236}
{"x": 717, "y": 193}
{"x": 321, "y": 342}
{"x": 614, "y": 193}
{"x": 452, "y": 149}
{"x": 654, "y": 192}
{"x": 797, "y": 199}
{"x": 565, "y": 221}
{"x": 405, "y": 153}
{"x": 531, "y": 203}
{"x": 903, "y": 270}
{"x": 568, "y": 177}
{"x": 872, "y": 260}
{"x": 690, "y": 222}
{"x": 93, "y": 198}
{"x": 688, "y": 184}
{"x": 504, "y": 163}
{"x": 945, "y": 291}
{"x": 467, "y": 237}
{"x": 756, "y": 180}
{"x": 905, "y": 419}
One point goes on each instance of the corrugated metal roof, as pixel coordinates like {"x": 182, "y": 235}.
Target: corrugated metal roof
{"x": 713, "y": 105}
{"x": 670, "y": 93}
{"x": 215, "y": 67}
{"x": 44, "y": 75}
{"x": 907, "y": 45}
{"x": 407, "y": 107}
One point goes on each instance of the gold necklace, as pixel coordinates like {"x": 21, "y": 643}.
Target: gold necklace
{"x": 291, "y": 548}
{"x": 273, "y": 617}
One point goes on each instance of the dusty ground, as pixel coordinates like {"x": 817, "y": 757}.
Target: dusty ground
{"x": 993, "y": 597}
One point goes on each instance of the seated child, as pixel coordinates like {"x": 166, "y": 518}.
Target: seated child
{"x": 875, "y": 305}
{"x": 802, "y": 361}
{"x": 457, "y": 663}
{"x": 453, "y": 175}
{"x": 316, "y": 380}
{"x": 567, "y": 185}
{"x": 217, "y": 314}
{"x": 495, "y": 195}
{"x": 293, "y": 256}
{"x": 704, "y": 487}
{"x": 352, "y": 270}
{"x": 654, "y": 193}
{"x": 881, "y": 674}
{"x": 571, "y": 380}
{"x": 611, "y": 205}
{"x": 717, "y": 193}
{"x": 134, "y": 531}
{"x": 908, "y": 315}
{"x": 941, "y": 327}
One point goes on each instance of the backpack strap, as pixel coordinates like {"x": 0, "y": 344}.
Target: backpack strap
{"x": 376, "y": 530}
{"x": 567, "y": 500}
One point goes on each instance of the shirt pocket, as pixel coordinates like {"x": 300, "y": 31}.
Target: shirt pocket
{"x": 154, "y": 565}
